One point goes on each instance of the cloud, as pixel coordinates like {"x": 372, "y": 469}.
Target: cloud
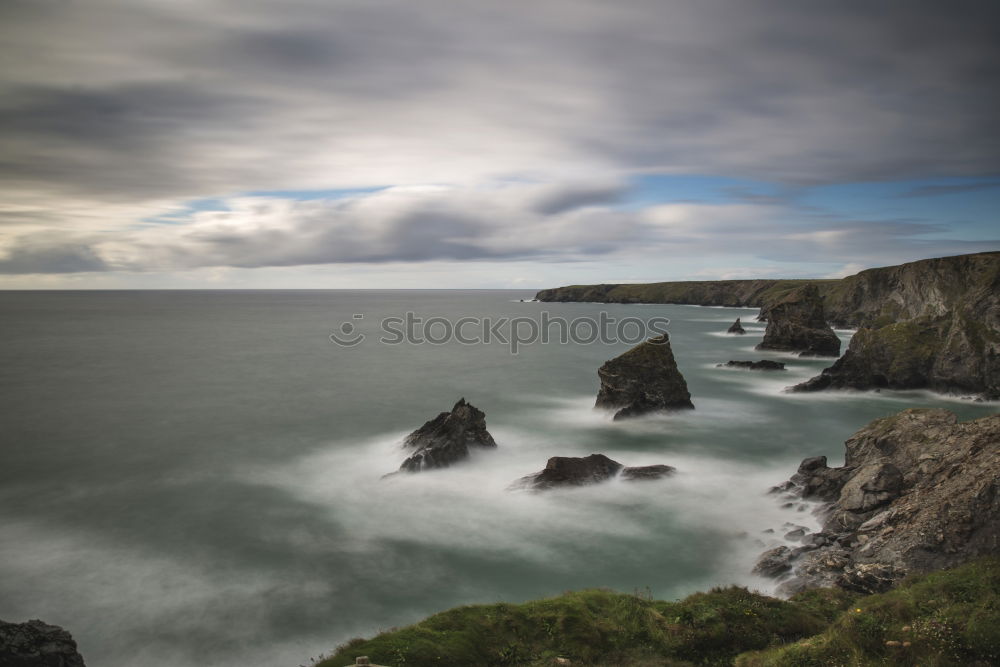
{"x": 956, "y": 189}
{"x": 111, "y": 115}
{"x": 520, "y": 222}
{"x": 43, "y": 253}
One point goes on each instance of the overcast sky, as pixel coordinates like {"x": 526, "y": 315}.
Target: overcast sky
{"x": 490, "y": 143}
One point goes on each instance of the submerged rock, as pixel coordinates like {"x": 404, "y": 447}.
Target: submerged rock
{"x": 37, "y": 644}
{"x": 446, "y": 439}
{"x": 796, "y": 323}
{"x": 762, "y": 365}
{"x": 918, "y": 492}
{"x": 645, "y": 379}
{"x": 736, "y": 328}
{"x": 582, "y": 471}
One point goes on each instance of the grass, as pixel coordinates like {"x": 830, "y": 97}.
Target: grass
{"x": 946, "y": 618}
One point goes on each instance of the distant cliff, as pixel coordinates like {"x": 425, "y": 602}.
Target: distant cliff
{"x": 735, "y": 293}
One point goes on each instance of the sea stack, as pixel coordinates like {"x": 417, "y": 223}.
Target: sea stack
{"x": 645, "y": 379}
{"x": 446, "y": 439}
{"x": 796, "y": 323}
{"x": 737, "y": 328}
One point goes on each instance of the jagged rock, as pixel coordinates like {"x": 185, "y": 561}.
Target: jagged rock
{"x": 446, "y": 439}
{"x": 645, "y": 379}
{"x": 816, "y": 481}
{"x": 582, "y": 471}
{"x": 796, "y": 323}
{"x": 918, "y": 492}
{"x": 37, "y": 644}
{"x": 642, "y": 473}
{"x": 774, "y": 562}
{"x": 736, "y": 328}
{"x": 762, "y": 365}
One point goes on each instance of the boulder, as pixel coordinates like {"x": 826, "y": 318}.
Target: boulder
{"x": 446, "y": 439}
{"x": 645, "y": 379}
{"x": 762, "y": 365}
{"x": 643, "y": 473}
{"x": 37, "y": 644}
{"x": 736, "y": 328}
{"x": 796, "y": 323}
{"x": 919, "y": 492}
{"x": 583, "y": 471}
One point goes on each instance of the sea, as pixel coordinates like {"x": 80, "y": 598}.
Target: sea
{"x": 195, "y": 478}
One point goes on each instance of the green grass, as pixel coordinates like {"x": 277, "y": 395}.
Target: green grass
{"x": 947, "y": 618}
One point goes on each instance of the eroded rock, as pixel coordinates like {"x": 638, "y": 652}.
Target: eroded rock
{"x": 446, "y": 439}
{"x": 796, "y": 323}
{"x": 645, "y": 379}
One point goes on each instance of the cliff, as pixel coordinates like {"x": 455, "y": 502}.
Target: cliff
{"x": 918, "y": 492}
{"x": 734, "y": 293}
{"x": 929, "y": 288}
{"x": 933, "y": 324}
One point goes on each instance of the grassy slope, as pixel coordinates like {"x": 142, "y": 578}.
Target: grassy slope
{"x": 953, "y": 618}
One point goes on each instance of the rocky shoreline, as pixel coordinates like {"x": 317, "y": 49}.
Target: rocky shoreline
{"x": 918, "y": 492}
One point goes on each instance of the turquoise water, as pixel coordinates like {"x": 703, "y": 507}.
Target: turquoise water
{"x": 193, "y": 478}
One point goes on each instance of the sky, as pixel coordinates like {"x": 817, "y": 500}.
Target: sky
{"x": 490, "y": 144}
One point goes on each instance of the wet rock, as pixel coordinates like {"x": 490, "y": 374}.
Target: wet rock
{"x": 774, "y": 562}
{"x": 37, "y": 644}
{"x": 736, "y": 328}
{"x": 446, "y": 439}
{"x": 643, "y": 380}
{"x": 796, "y": 323}
{"x": 762, "y": 365}
{"x": 593, "y": 469}
{"x": 919, "y": 492}
{"x": 643, "y": 473}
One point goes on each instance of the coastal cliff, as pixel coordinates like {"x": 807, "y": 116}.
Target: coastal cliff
{"x": 933, "y": 323}
{"x": 918, "y": 492}
{"x": 733, "y": 293}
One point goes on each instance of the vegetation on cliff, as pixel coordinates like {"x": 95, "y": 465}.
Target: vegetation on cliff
{"x": 946, "y": 618}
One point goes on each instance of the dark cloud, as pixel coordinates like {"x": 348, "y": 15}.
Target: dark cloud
{"x": 51, "y": 255}
{"x": 107, "y": 108}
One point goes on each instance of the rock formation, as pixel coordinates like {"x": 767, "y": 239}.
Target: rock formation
{"x": 956, "y": 299}
{"x": 796, "y": 324}
{"x": 582, "y": 471}
{"x": 950, "y": 344}
{"x": 918, "y": 492}
{"x": 736, "y": 328}
{"x": 644, "y": 379}
{"x": 37, "y": 644}
{"x": 762, "y": 365}
{"x": 446, "y": 439}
